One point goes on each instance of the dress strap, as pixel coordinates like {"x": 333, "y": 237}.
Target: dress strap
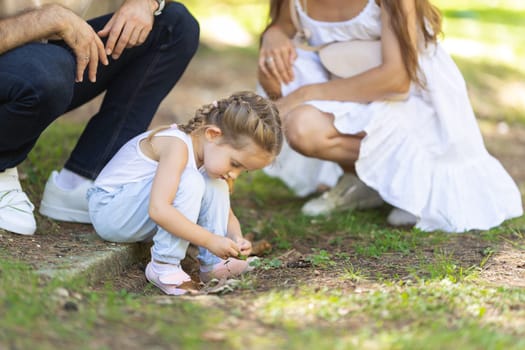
{"x": 303, "y": 34}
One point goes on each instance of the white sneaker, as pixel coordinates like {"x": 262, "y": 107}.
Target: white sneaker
{"x": 350, "y": 193}
{"x": 400, "y": 217}
{"x": 65, "y": 205}
{"x": 16, "y": 210}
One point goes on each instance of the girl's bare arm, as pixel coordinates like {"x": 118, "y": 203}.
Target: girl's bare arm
{"x": 172, "y": 158}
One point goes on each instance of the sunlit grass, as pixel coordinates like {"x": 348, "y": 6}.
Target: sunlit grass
{"x": 53, "y": 315}
{"x": 405, "y": 316}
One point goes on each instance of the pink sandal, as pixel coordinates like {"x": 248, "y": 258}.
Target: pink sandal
{"x": 168, "y": 282}
{"x": 227, "y": 268}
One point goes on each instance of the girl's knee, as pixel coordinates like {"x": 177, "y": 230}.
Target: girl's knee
{"x": 216, "y": 194}
{"x": 190, "y": 193}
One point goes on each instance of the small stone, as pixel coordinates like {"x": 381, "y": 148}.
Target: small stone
{"x": 70, "y": 306}
{"x": 62, "y": 292}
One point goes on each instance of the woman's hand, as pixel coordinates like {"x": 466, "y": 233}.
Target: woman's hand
{"x": 276, "y": 58}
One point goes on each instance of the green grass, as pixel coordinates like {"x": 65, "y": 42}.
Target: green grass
{"x": 438, "y": 315}
{"x": 51, "y": 315}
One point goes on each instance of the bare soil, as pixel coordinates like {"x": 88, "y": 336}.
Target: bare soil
{"x": 212, "y": 76}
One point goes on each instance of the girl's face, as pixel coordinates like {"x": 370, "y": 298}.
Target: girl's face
{"x": 223, "y": 161}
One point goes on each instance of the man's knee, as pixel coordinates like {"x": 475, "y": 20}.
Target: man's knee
{"x": 42, "y": 85}
{"x": 55, "y": 92}
{"x": 183, "y": 29}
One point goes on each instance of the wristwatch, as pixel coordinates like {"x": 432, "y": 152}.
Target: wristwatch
{"x": 162, "y": 3}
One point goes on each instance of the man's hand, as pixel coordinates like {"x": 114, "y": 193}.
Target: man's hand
{"x": 82, "y": 39}
{"x": 129, "y": 26}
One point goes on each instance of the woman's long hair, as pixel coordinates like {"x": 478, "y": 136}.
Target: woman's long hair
{"x": 428, "y": 19}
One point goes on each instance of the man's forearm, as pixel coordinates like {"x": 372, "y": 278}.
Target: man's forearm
{"x": 29, "y": 26}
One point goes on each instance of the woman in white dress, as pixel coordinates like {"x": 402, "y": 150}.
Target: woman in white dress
{"x": 424, "y": 155}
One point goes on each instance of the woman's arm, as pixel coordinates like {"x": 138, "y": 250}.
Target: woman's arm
{"x": 172, "y": 158}
{"x": 390, "y": 78}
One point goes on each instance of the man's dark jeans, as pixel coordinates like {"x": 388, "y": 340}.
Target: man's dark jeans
{"x": 37, "y": 85}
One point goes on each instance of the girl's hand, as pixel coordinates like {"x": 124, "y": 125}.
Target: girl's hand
{"x": 276, "y": 56}
{"x": 245, "y": 246}
{"x": 223, "y": 247}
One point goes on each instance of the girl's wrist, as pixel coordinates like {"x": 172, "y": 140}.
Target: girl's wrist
{"x": 234, "y": 237}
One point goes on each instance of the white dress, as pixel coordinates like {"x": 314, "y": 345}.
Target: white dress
{"x": 425, "y": 155}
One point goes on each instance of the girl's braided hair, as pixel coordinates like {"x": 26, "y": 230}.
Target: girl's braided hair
{"x": 242, "y": 117}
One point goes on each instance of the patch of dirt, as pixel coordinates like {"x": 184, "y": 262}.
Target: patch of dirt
{"x": 212, "y": 76}
{"x": 40, "y": 249}
{"x": 506, "y": 267}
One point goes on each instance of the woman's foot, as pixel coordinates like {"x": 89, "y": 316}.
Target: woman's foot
{"x": 350, "y": 193}
{"x": 226, "y": 268}
{"x": 400, "y": 217}
{"x": 167, "y": 277}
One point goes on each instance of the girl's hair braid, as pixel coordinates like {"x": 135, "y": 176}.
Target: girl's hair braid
{"x": 242, "y": 117}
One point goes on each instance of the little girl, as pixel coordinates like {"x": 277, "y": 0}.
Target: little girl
{"x": 172, "y": 184}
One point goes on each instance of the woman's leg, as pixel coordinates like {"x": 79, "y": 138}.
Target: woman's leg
{"x": 312, "y": 133}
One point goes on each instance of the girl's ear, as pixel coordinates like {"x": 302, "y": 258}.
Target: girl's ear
{"x": 212, "y": 132}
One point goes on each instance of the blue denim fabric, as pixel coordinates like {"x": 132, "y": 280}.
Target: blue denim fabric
{"x": 37, "y": 85}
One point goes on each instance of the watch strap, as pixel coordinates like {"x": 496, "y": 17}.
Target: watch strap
{"x": 162, "y": 3}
